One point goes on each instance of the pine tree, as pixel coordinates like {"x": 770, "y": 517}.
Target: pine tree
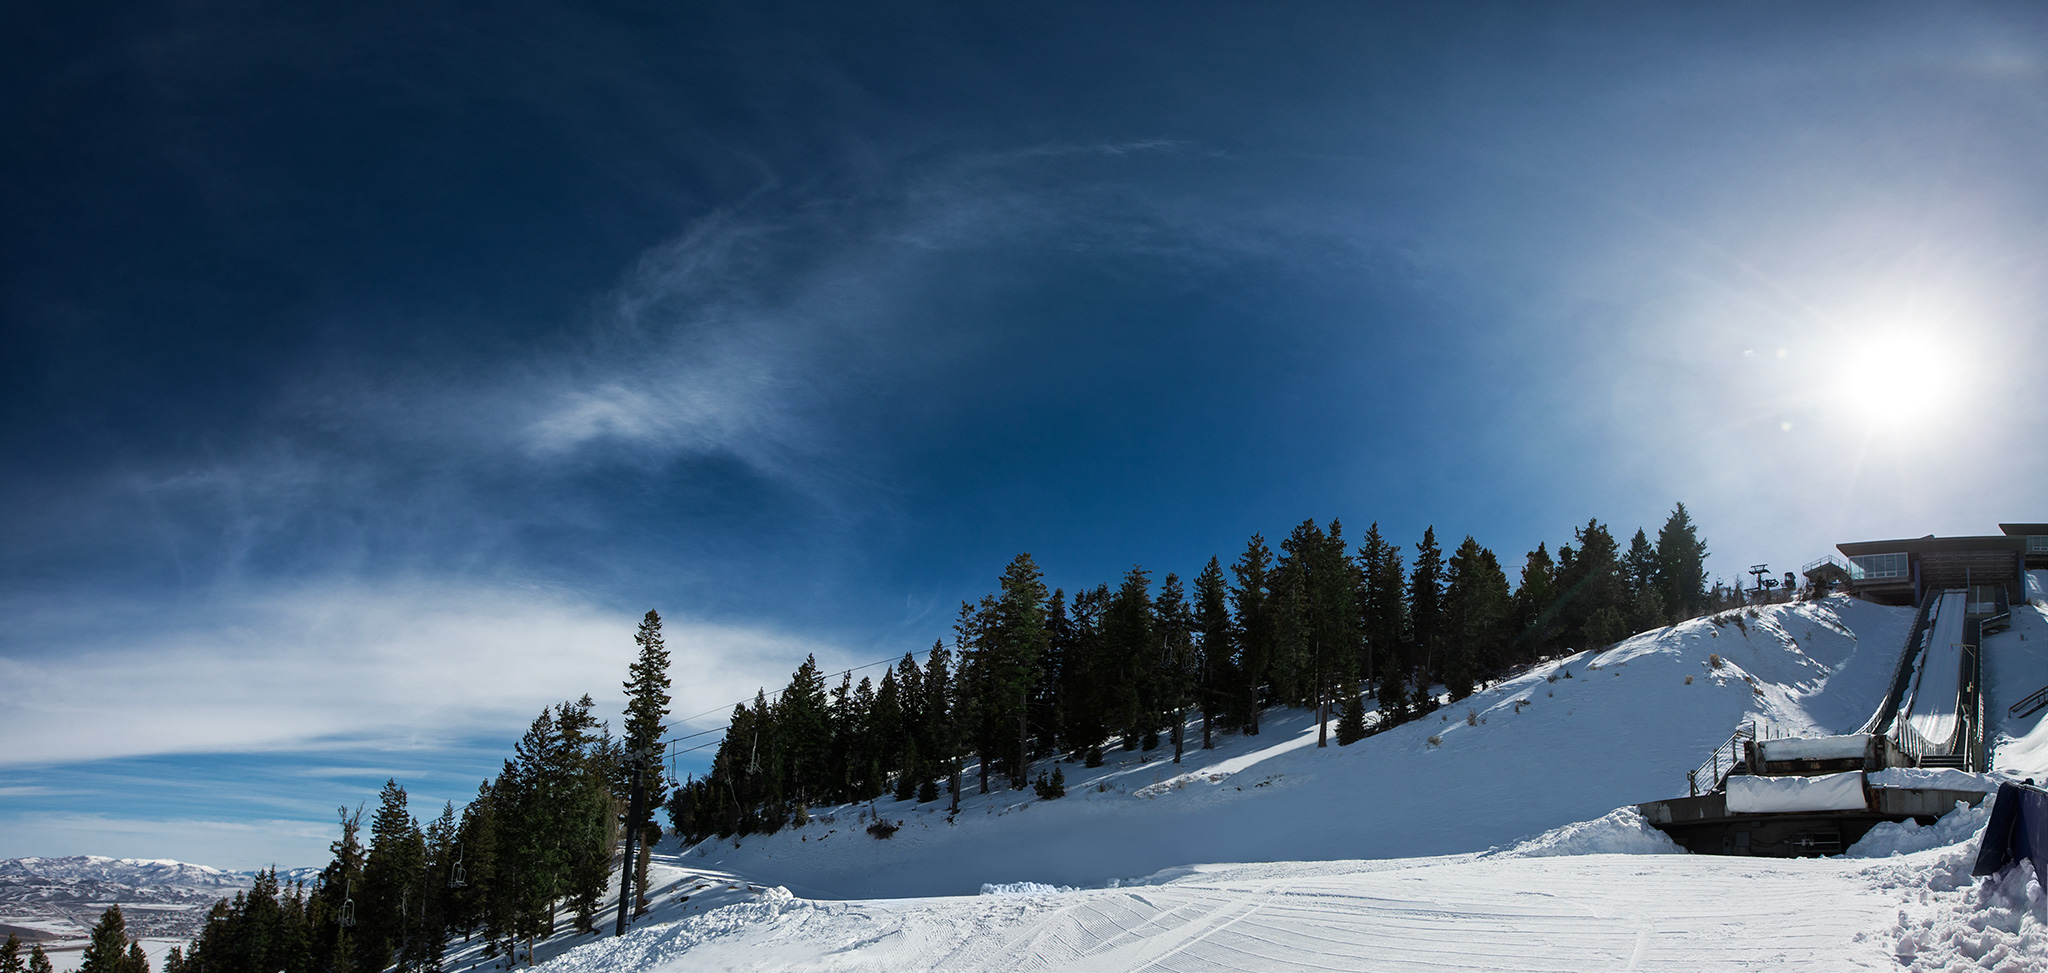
{"x": 135, "y": 961}
{"x": 1639, "y": 565}
{"x": 1536, "y": 607}
{"x": 1128, "y": 634}
{"x": 108, "y": 950}
{"x": 1212, "y": 640}
{"x": 391, "y": 879}
{"x": 1426, "y": 603}
{"x": 1681, "y": 576}
{"x": 1476, "y": 617}
{"x": 39, "y": 961}
{"x": 332, "y": 913}
{"x": 817, "y": 756}
{"x": 1178, "y": 662}
{"x": 1021, "y": 646}
{"x": 1252, "y": 603}
{"x": 10, "y": 955}
{"x": 647, "y": 699}
{"x": 1594, "y": 586}
{"x": 1383, "y": 611}
{"x": 1351, "y": 724}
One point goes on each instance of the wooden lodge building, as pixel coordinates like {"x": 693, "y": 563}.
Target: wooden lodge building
{"x": 1902, "y": 572}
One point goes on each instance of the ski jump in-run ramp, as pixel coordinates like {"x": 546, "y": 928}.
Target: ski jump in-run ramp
{"x": 1933, "y": 711}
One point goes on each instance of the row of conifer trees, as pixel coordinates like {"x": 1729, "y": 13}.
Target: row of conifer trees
{"x": 1033, "y": 673}
{"x": 533, "y": 850}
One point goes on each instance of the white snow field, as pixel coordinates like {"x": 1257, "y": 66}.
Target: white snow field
{"x": 1498, "y": 846}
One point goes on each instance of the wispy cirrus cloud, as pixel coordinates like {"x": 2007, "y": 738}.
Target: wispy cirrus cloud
{"x": 399, "y": 666}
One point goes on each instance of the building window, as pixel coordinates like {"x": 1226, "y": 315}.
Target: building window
{"x": 1877, "y": 567}
{"x": 2037, "y": 544}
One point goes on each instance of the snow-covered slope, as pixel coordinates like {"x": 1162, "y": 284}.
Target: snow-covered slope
{"x": 1564, "y": 742}
{"x": 55, "y": 901}
{"x": 2015, "y": 665}
{"x": 1343, "y": 833}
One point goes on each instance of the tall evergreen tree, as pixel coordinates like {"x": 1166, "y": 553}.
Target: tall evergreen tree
{"x": 1536, "y": 607}
{"x": 332, "y": 912}
{"x": 1252, "y": 602}
{"x": 1681, "y": 576}
{"x": 1639, "y": 565}
{"x": 1595, "y": 588}
{"x": 392, "y": 879}
{"x": 1476, "y": 617}
{"x": 1130, "y": 645}
{"x": 1383, "y": 612}
{"x": 647, "y": 699}
{"x": 1022, "y": 641}
{"x": 1212, "y": 640}
{"x": 1178, "y": 662}
{"x": 1426, "y": 603}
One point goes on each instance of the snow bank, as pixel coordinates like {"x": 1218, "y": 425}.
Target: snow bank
{"x": 1949, "y": 921}
{"x": 1766, "y": 795}
{"x": 1622, "y": 831}
{"x": 1908, "y": 836}
{"x": 1847, "y": 747}
{"x": 663, "y": 945}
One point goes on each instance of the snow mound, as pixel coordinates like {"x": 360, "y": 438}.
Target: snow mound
{"x": 1904, "y": 837}
{"x": 665, "y": 945}
{"x": 1953, "y": 924}
{"x": 1622, "y": 831}
{"x": 1024, "y": 888}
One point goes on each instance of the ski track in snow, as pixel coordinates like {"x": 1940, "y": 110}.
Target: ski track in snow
{"x": 1594, "y": 912}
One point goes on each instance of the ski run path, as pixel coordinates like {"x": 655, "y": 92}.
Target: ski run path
{"x": 1506, "y": 843}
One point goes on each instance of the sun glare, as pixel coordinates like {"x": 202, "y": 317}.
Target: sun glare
{"x": 1901, "y": 379}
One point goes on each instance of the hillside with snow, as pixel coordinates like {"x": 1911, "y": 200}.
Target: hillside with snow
{"x": 55, "y": 901}
{"x": 1485, "y": 836}
{"x": 1563, "y": 742}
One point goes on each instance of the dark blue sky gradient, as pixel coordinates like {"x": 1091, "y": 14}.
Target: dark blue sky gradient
{"x": 326, "y": 328}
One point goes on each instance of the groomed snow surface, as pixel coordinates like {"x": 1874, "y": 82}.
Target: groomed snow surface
{"x": 1486, "y": 839}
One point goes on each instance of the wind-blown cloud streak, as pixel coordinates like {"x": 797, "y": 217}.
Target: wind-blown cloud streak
{"x": 344, "y": 666}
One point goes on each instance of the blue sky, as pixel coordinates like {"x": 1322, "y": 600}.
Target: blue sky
{"x": 369, "y": 370}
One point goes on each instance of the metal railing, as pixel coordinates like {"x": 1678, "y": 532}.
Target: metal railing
{"x": 1902, "y": 673}
{"x": 1707, "y": 778}
{"x": 2034, "y": 703}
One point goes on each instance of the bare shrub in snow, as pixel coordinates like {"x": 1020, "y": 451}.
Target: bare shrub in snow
{"x": 1436, "y": 741}
{"x": 1688, "y": 680}
{"x": 1714, "y": 660}
{"x": 1471, "y": 717}
{"x": 883, "y": 829}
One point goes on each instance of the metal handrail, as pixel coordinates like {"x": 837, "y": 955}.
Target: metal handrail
{"x": 1808, "y": 567}
{"x": 1715, "y": 769}
{"x": 2034, "y": 702}
{"x": 1902, "y": 673}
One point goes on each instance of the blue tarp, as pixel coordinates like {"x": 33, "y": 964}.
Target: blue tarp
{"x": 2018, "y": 829}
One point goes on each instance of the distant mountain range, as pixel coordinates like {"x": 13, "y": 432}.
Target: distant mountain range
{"x": 54, "y": 900}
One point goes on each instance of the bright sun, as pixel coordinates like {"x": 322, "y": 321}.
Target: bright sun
{"x": 1898, "y": 378}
